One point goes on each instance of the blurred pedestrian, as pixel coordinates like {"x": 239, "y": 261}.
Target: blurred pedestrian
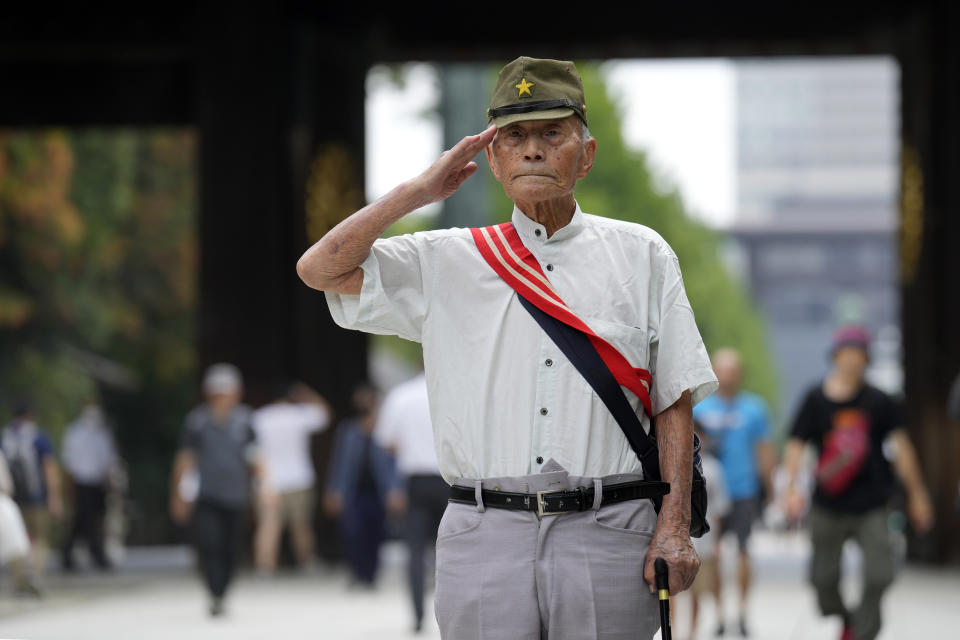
{"x": 36, "y": 478}
{"x": 849, "y": 423}
{"x": 404, "y": 429}
{"x": 718, "y": 499}
{"x": 89, "y": 458}
{"x": 361, "y": 476}
{"x": 219, "y": 444}
{"x": 14, "y": 540}
{"x": 284, "y": 429}
{"x": 738, "y": 423}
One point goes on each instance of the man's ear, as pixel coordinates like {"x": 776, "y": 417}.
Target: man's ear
{"x": 586, "y": 161}
{"x": 492, "y": 161}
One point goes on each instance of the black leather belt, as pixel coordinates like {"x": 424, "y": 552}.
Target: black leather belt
{"x": 556, "y": 501}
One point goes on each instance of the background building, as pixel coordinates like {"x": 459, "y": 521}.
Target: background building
{"x": 817, "y": 171}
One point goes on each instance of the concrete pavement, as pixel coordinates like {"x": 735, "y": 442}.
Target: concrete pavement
{"x": 155, "y": 596}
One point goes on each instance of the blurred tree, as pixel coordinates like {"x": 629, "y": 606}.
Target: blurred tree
{"x": 97, "y": 285}
{"x": 622, "y": 185}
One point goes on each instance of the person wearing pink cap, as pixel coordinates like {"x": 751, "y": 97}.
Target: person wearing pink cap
{"x": 849, "y": 422}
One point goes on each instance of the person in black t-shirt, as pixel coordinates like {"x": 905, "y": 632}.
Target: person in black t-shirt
{"x": 848, "y": 421}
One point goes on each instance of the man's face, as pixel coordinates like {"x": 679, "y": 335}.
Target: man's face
{"x": 223, "y": 401}
{"x": 541, "y": 160}
{"x": 851, "y": 360}
{"x": 726, "y": 366}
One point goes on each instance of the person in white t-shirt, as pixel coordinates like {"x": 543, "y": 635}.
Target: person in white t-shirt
{"x": 284, "y": 429}
{"x": 404, "y": 429}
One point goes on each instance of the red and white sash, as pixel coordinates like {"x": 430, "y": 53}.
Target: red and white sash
{"x": 501, "y": 247}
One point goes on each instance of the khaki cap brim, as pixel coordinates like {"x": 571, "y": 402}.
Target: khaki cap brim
{"x": 546, "y": 114}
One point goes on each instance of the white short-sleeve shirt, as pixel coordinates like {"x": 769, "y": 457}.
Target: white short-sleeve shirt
{"x": 503, "y": 398}
{"x": 283, "y": 434}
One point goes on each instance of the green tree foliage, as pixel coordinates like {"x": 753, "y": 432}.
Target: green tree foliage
{"x": 622, "y": 185}
{"x": 97, "y": 284}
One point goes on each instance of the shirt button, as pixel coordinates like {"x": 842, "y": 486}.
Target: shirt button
{"x": 537, "y": 232}
{"x": 549, "y": 267}
{"x": 539, "y": 459}
{"x": 548, "y": 362}
{"x": 543, "y": 411}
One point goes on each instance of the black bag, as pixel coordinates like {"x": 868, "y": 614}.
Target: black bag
{"x": 580, "y": 351}
{"x": 21, "y": 484}
{"x": 698, "y": 484}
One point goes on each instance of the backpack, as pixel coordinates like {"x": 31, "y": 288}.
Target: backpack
{"x": 845, "y": 451}
{"x": 23, "y": 471}
{"x": 21, "y": 483}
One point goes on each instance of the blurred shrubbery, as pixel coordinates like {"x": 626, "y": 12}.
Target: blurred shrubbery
{"x": 97, "y": 284}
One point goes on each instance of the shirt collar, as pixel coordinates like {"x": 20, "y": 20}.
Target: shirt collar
{"x": 528, "y": 228}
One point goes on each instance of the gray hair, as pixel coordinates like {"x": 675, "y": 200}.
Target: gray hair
{"x": 584, "y": 131}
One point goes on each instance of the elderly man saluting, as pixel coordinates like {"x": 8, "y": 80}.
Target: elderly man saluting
{"x": 549, "y": 532}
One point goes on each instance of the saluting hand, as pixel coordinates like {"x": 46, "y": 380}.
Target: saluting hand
{"x": 453, "y": 167}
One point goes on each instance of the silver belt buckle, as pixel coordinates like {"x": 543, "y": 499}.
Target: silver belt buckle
{"x": 541, "y": 503}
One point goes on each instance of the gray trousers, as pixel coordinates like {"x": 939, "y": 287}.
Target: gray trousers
{"x": 828, "y": 531}
{"x": 574, "y": 576}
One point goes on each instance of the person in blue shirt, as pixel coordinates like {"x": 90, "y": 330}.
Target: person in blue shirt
{"x": 739, "y": 423}
{"x": 36, "y": 478}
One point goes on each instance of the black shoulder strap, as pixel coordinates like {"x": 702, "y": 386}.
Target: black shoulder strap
{"x": 581, "y": 352}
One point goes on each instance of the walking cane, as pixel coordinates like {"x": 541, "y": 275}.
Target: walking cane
{"x": 663, "y": 593}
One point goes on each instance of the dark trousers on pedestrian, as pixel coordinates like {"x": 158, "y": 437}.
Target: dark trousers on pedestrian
{"x": 363, "y": 527}
{"x": 829, "y": 530}
{"x": 89, "y": 510}
{"x": 216, "y": 533}
{"x": 427, "y": 499}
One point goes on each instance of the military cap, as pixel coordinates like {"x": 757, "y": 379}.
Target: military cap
{"x": 537, "y": 89}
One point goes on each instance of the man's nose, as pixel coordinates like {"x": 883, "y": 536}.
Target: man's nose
{"x": 532, "y": 149}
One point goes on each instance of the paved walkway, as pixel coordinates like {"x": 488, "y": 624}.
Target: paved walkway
{"x": 155, "y": 596}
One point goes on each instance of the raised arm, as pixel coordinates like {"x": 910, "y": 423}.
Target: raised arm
{"x": 333, "y": 263}
{"x": 671, "y": 540}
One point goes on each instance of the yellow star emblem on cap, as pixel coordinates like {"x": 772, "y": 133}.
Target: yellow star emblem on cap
{"x": 524, "y": 87}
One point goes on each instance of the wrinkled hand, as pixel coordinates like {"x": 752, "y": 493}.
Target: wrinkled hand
{"x": 920, "y": 511}
{"x": 675, "y": 547}
{"x": 452, "y": 168}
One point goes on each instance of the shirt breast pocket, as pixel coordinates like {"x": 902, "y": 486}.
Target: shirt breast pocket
{"x": 628, "y": 340}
